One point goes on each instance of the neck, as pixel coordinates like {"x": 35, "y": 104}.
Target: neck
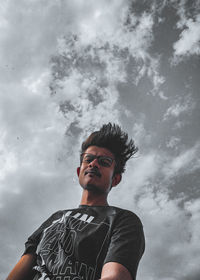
{"x": 91, "y": 199}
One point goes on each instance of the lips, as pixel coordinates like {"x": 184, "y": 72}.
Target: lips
{"x": 93, "y": 172}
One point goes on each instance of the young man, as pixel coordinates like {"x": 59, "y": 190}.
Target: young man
{"x": 95, "y": 240}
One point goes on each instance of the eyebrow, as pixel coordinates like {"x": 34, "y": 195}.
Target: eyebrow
{"x": 106, "y": 156}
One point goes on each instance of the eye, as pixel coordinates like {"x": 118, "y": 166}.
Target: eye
{"x": 105, "y": 161}
{"x": 88, "y": 158}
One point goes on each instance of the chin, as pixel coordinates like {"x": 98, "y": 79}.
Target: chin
{"x": 94, "y": 189}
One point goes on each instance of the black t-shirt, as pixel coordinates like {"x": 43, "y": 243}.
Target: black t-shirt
{"x": 74, "y": 244}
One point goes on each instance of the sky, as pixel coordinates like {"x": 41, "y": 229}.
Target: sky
{"x": 66, "y": 68}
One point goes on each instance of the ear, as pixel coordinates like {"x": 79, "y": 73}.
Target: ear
{"x": 78, "y": 171}
{"x": 116, "y": 180}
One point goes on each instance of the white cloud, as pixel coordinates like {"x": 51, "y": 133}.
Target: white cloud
{"x": 173, "y": 142}
{"x": 103, "y": 20}
{"x": 147, "y": 162}
{"x": 30, "y": 117}
{"x": 155, "y": 171}
{"x": 186, "y": 162}
{"x": 189, "y": 24}
{"x": 90, "y": 87}
{"x": 171, "y": 230}
{"x": 162, "y": 95}
{"x": 139, "y": 132}
{"x": 169, "y": 235}
{"x": 8, "y": 162}
{"x": 183, "y": 105}
{"x": 189, "y": 41}
{"x": 3, "y": 8}
{"x": 31, "y": 125}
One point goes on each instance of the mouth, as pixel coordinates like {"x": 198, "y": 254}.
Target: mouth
{"x": 93, "y": 173}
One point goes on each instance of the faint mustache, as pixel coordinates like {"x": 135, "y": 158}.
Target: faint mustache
{"x": 94, "y": 171}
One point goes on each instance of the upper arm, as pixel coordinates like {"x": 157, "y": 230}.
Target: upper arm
{"x": 126, "y": 244}
{"x": 23, "y": 268}
{"x": 115, "y": 271}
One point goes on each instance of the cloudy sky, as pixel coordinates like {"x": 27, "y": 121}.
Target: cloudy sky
{"x": 67, "y": 67}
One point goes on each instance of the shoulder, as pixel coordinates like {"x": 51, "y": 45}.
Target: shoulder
{"x": 126, "y": 215}
{"x": 53, "y": 218}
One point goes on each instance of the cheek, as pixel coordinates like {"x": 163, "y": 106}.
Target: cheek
{"x": 82, "y": 170}
{"x": 110, "y": 176}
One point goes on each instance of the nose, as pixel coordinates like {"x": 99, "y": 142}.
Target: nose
{"x": 94, "y": 163}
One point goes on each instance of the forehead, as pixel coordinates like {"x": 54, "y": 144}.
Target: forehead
{"x": 99, "y": 151}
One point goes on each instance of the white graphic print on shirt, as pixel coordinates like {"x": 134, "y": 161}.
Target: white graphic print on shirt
{"x": 59, "y": 244}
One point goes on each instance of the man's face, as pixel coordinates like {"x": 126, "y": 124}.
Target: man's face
{"x": 95, "y": 177}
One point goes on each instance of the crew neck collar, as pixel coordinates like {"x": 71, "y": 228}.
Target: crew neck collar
{"x": 85, "y": 205}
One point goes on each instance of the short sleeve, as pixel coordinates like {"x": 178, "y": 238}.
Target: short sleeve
{"x": 33, "y": 240}
{"x": 127, "y": 242}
